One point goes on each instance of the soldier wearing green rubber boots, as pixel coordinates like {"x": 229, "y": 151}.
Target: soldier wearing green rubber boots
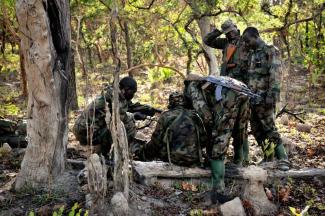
{"x": 235, "y": 65}
{"x": 219, "y": 107}
{"x": 264, "y": 79}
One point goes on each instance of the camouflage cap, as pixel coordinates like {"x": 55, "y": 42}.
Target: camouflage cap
{"x": 228, "y": 26}
{"x": 175, "y": 99}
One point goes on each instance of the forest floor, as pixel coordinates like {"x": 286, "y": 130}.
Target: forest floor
{"x": 306, "y": 148}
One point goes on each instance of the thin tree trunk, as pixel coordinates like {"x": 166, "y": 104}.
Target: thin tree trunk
{"x": 99, "y": 52}
{"x": 128, "y": 46}
{"x": 23, "y": 80}
{"x": 211, "y": 59}
{"x": 121, "y": 155}
{"x": 45, "y": 43}
{"x": 73, "y": 97}
{"x": 81, "y": 61}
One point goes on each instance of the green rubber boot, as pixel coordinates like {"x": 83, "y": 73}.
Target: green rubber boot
{"x": 281, "y": 155}
{"x": 218, "y": 184}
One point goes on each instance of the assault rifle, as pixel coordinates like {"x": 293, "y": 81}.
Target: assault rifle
{"x": 233, "y": 84}
{"x": 144, "y": 109}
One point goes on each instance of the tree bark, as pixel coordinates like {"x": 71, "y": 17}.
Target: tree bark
{"x": 211, "y": 59}
{"x": 128, "y": 46}
{"x": 73, "y": 97}
{"x": 120, "y": 142}
{"x": 23, "y": 80}
{"x": 45, "y": 43}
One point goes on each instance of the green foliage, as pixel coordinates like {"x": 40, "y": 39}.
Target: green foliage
{"x": 160, "y": 74}
{"x": 196, "y": 212}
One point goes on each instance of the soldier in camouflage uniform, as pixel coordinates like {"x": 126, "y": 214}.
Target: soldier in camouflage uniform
{"x": 264, "y": 79}
{"x": 220, "y": 116}
{"x": 91, "y": 124}
{"x": 178, "y": 136}
{"x": 234, "y": 65}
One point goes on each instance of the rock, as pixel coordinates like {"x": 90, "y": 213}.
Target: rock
{"x": 6, "y": 147}
{"x": 233, "y": 208}
{"x": 254, "y": 191}
{"x": 303, "y": 127}
{"x": 120, "y": 206}
{"x": 284, "y": 120}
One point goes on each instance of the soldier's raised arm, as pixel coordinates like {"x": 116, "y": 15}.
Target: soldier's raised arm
{"x": 212, "y": 40}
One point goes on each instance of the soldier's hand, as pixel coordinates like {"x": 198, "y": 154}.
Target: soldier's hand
{"x": 139, "y": 116}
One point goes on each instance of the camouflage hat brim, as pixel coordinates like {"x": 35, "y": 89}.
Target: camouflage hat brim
{"x": 232, "y": 28}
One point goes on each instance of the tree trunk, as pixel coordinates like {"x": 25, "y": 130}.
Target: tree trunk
{"x": 23, "y": 80}
{"x": 45, "y": 43}
{"x": 73, "y": 97}
{"x": 128, "y": 46}
{"x": 120, "y": 142}
{"x": 204, "y": 25}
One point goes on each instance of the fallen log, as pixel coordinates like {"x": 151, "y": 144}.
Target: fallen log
{"x": 149, "y": 172}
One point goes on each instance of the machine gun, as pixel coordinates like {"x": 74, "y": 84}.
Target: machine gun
{"x": 233, "y": 84}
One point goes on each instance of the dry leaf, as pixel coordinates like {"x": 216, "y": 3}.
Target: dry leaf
{"x": 189, "y": 187}
{"x": 268, "y": 194}
{"x": 284, "y": 194}
{"x": 311, "y": 152}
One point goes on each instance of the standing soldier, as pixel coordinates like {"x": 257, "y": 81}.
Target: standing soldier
{"x": 234, "y": 64}
{"x": 219, "y": 107}
{"x": 264, "y": 79}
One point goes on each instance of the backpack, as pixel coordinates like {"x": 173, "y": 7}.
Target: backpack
{"x": 183, "y": 139}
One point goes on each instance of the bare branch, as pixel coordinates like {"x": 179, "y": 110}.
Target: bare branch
{"x": 155, "y": 65}
{"x": 285, "y": 26}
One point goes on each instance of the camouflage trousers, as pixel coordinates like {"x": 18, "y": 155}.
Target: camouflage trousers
{"x": 232, "y": 109}
{"x": 264, "y": 130}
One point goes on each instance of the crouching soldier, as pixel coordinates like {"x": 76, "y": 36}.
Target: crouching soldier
{"x": 219, "y": 106}
{"x": 91, "y": 125}
{"x": 178, "y": 136}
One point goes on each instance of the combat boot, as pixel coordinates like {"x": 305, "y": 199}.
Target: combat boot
{"x": 283, "y": 162}
{"x": 218, "y": 184}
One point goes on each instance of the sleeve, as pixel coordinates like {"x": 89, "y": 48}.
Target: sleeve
{"x": 273, "y": 92}
{"x": 212, "y": 40}
{"x": 194, "y": 92}
{"x": 142, "y": 108}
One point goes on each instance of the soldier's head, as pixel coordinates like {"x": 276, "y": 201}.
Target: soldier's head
{"x": 230, "y": 30}
{"x": 251, "y": 37}
{"x": 128, "y": 87}
{"x": 175, "y": 99}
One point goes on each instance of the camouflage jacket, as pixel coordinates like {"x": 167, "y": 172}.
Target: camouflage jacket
{"x": 264, "y": 72}
{"x": 95, "y": 112}
{"x": 237, "y": 65}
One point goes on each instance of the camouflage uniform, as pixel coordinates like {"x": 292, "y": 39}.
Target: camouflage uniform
{"x": 178, "y": 135}
{"x": 236, "y": 67}
{"x": 220, "y": 116}
{"x": 264, "y": 79}
{"x": 94, "y": 117}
